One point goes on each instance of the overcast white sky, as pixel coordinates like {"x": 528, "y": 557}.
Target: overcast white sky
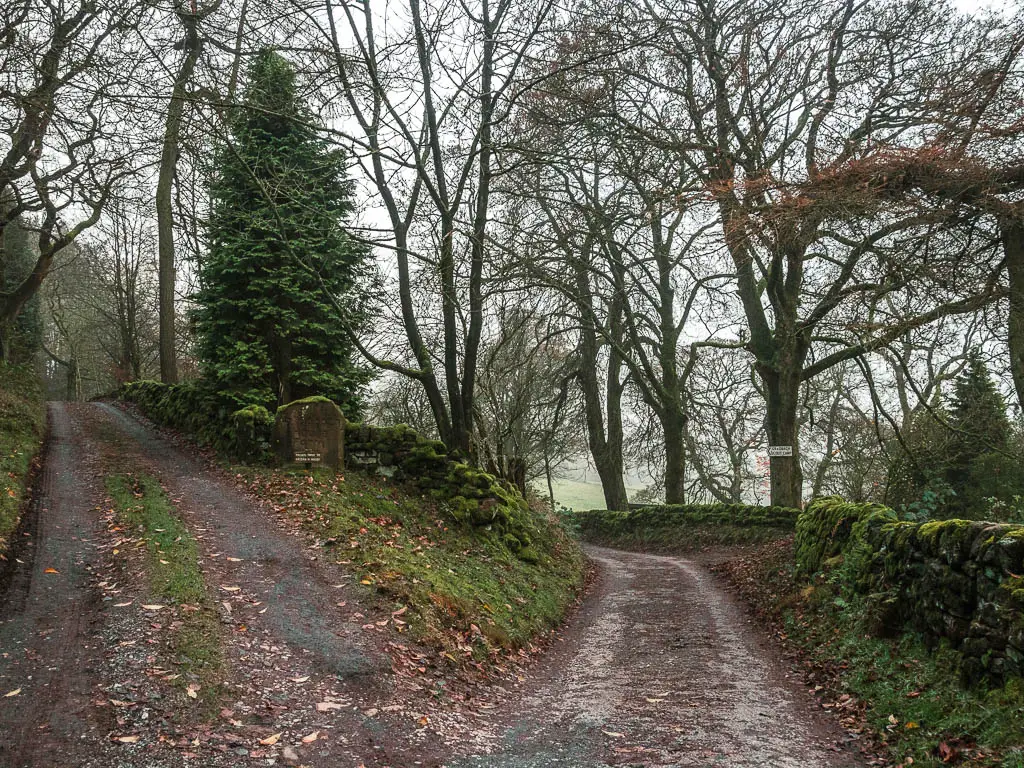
{"x": 974, "y": 5}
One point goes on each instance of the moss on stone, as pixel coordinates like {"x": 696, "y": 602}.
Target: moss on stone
{"x": 827, "y": 525}
{"x": 307, "y": 401}
{"x": 956, "y": 581}
{"x": 681, "y": 528}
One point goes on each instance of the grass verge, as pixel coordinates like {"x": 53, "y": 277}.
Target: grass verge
{"x": 905, "y": 695}
{"x": 447, "y": 584}
{"x": 22, "y": 426}
{"x": 174, "y": 577}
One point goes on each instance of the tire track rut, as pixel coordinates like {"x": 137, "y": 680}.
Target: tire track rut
{"x": 50, "y": 646}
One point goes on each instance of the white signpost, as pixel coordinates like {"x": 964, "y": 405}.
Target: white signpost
{"x": 780, "y": 450}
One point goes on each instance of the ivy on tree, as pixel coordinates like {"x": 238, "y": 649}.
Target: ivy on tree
{"x": 268, "y": 329}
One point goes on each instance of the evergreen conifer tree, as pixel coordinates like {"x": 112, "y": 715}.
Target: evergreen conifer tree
{"x": 978, "y": 413}
{"x": 963, "y": 453}
{"x": 268, "y": 332}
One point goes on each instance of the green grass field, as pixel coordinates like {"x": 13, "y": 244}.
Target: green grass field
{"x": 579, "y": 495}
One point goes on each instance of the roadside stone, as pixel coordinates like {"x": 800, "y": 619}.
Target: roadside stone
{"x": 289, "y": 755}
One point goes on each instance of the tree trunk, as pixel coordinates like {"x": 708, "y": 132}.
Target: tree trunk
{"x": 166, "y": 270}
{"x": 675, "y": 459}
{"x": 1013, "y": 249}
{"x": 551, "y": 484}
{"x": 281, "y": 349}
{"x": 73, "y": 380}
{"x": 782, "y": 390}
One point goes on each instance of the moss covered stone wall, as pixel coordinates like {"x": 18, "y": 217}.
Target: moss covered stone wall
{"x": 683, "y": 527}
{"x": 195, "y": 409}
{"x": 956, "y": 580}
{"x": 475, "y": 497}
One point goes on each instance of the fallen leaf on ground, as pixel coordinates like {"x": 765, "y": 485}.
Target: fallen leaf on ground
{"x": 154, "y": 607}
{"x": 614, "y": 734}
{"x": 231, "y": 589}
{"x": 311, "y": 737}
{"x": 15, "y": 692}
{"x": 51, "y": 570}
{"x": 299, "y": 679}
{"x": 193, "y": 691}
{"x": 123, "y": 605}
{"x": 271, "y": 740}
{"x": 327, "y": 706}
{"x": 127, "y": 739}
{"x": 234, "y": 559}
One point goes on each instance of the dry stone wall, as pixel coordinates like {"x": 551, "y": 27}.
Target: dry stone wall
{"x": 684, "y": 527}
{"x": 956, "y": 580}
{"x": 475, "y": 497}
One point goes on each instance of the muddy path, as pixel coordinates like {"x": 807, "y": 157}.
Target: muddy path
{"x": 293, "y": 598}
{"x": 661, "y": 668}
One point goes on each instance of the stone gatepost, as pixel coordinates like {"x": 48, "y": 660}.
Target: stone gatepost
{"x": 310, "y": 433}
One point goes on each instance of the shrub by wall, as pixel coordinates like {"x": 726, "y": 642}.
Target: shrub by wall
{"x": 954, "y": 580}
{"x": 683, "y": 527}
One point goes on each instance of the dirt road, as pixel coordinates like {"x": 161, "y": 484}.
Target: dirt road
{"x": 50, "y": 628}
{"x": 661, "y": 668}
{"x": 658, "y": 668}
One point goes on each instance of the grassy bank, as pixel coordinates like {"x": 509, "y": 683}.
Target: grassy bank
{"x": 907, "y": 696}
{"x": 175, "y": 579}
{"x": 448, "y": 584}
{"x": 22, "y": 426}
{"x": 683, "y": 527}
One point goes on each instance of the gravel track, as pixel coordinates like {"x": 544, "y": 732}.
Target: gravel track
{"x": 297, "y": 597}
{"x": 661, "y": 668}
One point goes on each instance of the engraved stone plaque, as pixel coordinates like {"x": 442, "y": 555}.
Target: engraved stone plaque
{"x": 310, "y": 433}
